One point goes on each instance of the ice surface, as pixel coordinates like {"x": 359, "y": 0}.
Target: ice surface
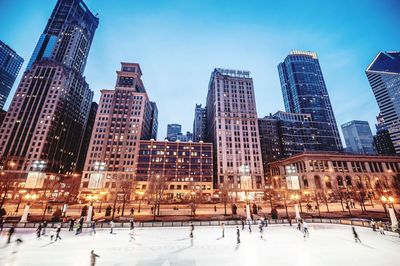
{"x": 281, "y": 245}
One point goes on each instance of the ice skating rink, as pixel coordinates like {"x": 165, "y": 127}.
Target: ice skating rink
{"x": 280, "y": 245}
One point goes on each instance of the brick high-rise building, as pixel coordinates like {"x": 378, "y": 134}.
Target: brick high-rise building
{"x": 233, "y": 129}
{"x": 44, "y": 126}
{"x": 111, "y": 161}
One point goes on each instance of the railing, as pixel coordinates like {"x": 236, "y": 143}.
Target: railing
{"x": 363, "y": 223}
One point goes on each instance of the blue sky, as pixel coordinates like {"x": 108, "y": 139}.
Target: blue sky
{"x": 178, "y": 44}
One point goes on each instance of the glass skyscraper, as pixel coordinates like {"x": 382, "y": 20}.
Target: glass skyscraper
{"x": 384, "y": 77}
{"x": 358, "y": 137}
{"x": 10, "y": 64}
{"x": 304, "y": 91}
{"x": 45, "y": 124}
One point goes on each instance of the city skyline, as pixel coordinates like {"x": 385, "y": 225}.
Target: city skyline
{"x": 343, "y": 58}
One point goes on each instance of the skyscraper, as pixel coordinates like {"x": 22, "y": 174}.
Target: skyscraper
{"x": 45, "y": 123}
{"x": 233, "y": 129}
{"x": 269, "y": 140}
{"x": 150, "y": 120}
{"x": 384, "y": 77}
{"x": 358, "y": 137}
{"x": 199, "y": 123}
{"x": 111, "y": 161}
{"x": 172, "y": 131}
{"x": 304, "y": 91}
{"x": 10, "y": 64}
{"x": 383, "y": 142}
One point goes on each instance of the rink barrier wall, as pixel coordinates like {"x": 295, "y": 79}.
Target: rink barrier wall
{"x": 363, "y": 223}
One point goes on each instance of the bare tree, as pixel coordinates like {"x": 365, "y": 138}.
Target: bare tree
{"x": 156, "y": 189}
{"x": 124, "y": 188}
{"x": 6, "y": 184}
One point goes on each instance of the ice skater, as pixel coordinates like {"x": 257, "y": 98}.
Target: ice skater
{"x": 356, "y": 238}
{"x": 223, "y": 229}
{"x": 249, "y": 221}
{"x": 132, "y": 222}
{"x": 381, "y": 229}
{"x": 39, "y": 230}
{"x": 44, "y": 227}
{"x": 112, "y": 224}
{"x": 58, "y": 230}
{"x": 373, "y": 225}
{"x": 191, "y": 230}
{"x": 260, "y": 226}
{"x": 242, "y": 224}
{"x": 71, "y": 225}
{"x": 237, "y": 235}
{"x": 93, "y": 226}
{"x": 93, "y": 257}
{"x": 10, "y": 232}
{"x": 305, "y": 229}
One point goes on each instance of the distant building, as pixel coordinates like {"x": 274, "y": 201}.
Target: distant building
{"x": 187, "y": 137}
{"x": 199, "y": 123}
{"x": 10, "y": 64}
{"x": 86, "y": 138}
{"x": 358, "y": 137}
{"x": 112, "y": 157}
{"x": 150, "y": 125}
{"x": 304, "y": 91}
{"x": 269, "y": 140}
{"x": 187, "y": 168}
{"x": 384, "y": 77}
{"x": 383, "y": 142}
{"x": 233, "y": 129}
{"x": 172, "y": 131}
{"x": 334, "y": 175}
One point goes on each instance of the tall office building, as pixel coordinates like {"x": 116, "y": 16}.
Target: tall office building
{"x": 233, "y": 129}
{"x": 10, "y": 64}
{"x": 45, "y": 123}
{"x": 358, "y": 137}
{"x": 150, "y": 125}
{"x": 173, "y": 130}
{"x": 384, "y": 77}
{"x": 383, "y": 142}
{"x": 269, "y": 140}
{"x": 199, "y": 123}
{"x": 86, "y": 137}
{"x": 112, "y": 157}
{"x": 304, "y": 91}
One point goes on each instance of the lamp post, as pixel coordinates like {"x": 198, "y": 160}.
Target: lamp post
{"x": 140, "y": 193}
{"x": 25, "y": 214}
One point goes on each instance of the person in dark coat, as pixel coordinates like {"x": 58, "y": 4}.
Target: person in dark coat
{"x": 242, "y": 224}
{"x": 11, "y": 231}
{"x": 356, "y": 238}
{"x": 39, "y": 230}
{"x": 58, "y": 230}
{"x": 237, "y": 235}
{"x": 191, "y": 230}
{"x": 71, "y": 225}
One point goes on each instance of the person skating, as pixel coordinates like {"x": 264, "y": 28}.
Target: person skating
{"x": 58, "y": 230}
{"x": 80, "y": 226}
{"x": 260, "y": 226}
{"x": 52, "y": 233}
{"x": 305, "y": 229}
{"x": 299, "y": 224}
{"x": 381, "y": 229}
{"x": 1, "y": 224}
{"x": 44, "y": 227}
{"x": 356, "y": 238}
{"x": 191, "y": 230}
{"x": 373, "y": 225}
{"x": 237, "y": 235}
{"x": 10, "y": 232}
{"x": 39, "y": 230}
{"x": 242, "y": 224}
{"x": 132, "y": 222}
{"x": 249, "y": 221}
{"x": 93, "y": 226}
{"x": 132, "y": 211}
{"x": 223, "y": 229}
{"x": 112, "y": 224}
{"x": 71, "y": 225}
{"x": 93, "y": 257}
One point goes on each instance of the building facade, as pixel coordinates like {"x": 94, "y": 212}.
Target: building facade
{"x": 10, "y": 64}
{"x": 270, "y": 140}
{"x": 233, "y": 129}
{"x": 111, "y": 161}
{"x": 42, "y": 132}
{"x": 304, "y": 91}
{"x": 384, "y": 77}
{"x": 382, "y": 141}
{"x": 172, "y": 131}
{"x": 199, "y": 123}
{"x": 186, "y": 167}
{"x": 358, "y": 137}
{"x": 336, "y": 175}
